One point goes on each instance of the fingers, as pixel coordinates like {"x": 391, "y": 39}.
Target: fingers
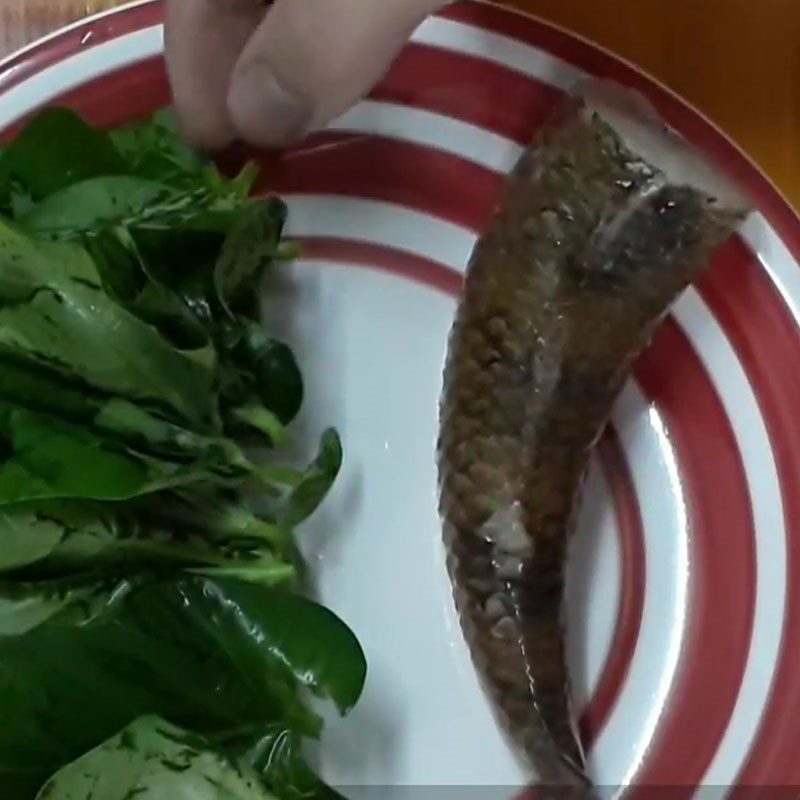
{"x": 270, "y": 79}
{"x": 309, "y": 60}
{"x": 204, "y": 39}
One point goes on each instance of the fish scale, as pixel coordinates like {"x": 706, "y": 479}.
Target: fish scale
{"x": 588, "y": 249}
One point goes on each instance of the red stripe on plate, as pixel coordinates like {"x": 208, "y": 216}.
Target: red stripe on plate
{"x": 765, "y": 335}
{"x": 403, "y": 173}
{"x": 634, "y": 576}
{"x": 722, "y": 570}
{"x": 387, "y": 259}
{"x": 435, "y": 80}
{"x": 114, "y": 99}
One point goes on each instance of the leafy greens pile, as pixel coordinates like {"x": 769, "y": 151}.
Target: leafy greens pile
{"x": 149, "y": 610}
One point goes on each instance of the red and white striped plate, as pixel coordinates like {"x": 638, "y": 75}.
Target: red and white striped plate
{"x": 685, "y": 584}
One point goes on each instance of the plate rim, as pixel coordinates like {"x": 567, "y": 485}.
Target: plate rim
{"x": 9, "y": 61}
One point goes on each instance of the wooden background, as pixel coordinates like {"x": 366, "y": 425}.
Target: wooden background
{"x": 738, "y": 60}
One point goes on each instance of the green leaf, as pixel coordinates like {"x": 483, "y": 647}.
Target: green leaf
{"x": 104, "y": 543}
{"x": 163, "y": 220}
{"x": 83, "y": 558}
{"x": 218, "y": 517}
{"x": 248, "y": 250}
{"x": 257, "y": 418}
{"x": 38, "y": 458}
{"x": 99, "y": 203}
{"x": 15, "y": 201}
{"x": 153, "y": 760}
{"x": 126, "y": 278}
{"x": 86, "y": 528}
{"x": 21, "y": 612}
{"x": 24, "y": 607}
{"x": 149, "y": 435}
{"x": 55, "y": 314}
{"x": 56, "y": 149}
{"x": 26, "y": 537}
{"x": 120, "y": 422}
{"x": 153, "y": 148}
{"x": 68, "y": 689}
{"x": 292, "y": 632}
{"x": 278, "y": 756}
{"x": 315, "y": 482}
{"x": 99, "y": 540}
{"x": 267, "y": 369}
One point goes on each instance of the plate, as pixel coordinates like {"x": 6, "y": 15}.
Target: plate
{"x": 684, "y": 592}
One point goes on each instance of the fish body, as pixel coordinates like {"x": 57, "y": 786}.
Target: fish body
{"x": 590, "y": 246}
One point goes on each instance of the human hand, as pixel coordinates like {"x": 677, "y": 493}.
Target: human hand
{"x": 271, "y": 75}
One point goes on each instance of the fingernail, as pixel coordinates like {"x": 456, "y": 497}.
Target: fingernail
{"x": 264, "y": 111}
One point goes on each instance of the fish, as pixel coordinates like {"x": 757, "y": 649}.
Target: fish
{"x": 607, "y": 217}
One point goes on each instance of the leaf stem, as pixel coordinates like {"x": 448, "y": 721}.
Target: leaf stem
{"x": 262, "y": 420}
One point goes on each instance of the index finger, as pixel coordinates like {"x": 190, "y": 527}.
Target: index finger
{"x": 203, "y": 41}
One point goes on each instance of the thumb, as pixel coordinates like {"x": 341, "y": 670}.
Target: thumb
{"x": 309, "y": 61}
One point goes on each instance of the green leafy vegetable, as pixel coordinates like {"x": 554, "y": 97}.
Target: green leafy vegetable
{"x": 36, "y": 162}
{"x": 44, "y": 459}
{"x": 265, "y": 369}
{"x": 313, "y": 485}
{"x": 148, "y": 565}
{"x": 54, "y": 314}
{"x": 126, "y": 279}
{"x": 278, "y": 756}
{"x": 248, "y": 251}
{"x": 24, "y": 607}
{"x": 153, "y": 760}
{"x": 153, "y": 148}
{"x": 98, "y": 203}
{"x": 69, "y": 689}
{"x": 327, "y": 658}
{"x": 26, "y": 537}
{"x": 24, "y": 610}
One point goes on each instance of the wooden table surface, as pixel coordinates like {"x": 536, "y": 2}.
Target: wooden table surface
{"x": 737, "y": 60}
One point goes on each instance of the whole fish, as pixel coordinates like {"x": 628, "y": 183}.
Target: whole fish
{"x": 591, "y": 244}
